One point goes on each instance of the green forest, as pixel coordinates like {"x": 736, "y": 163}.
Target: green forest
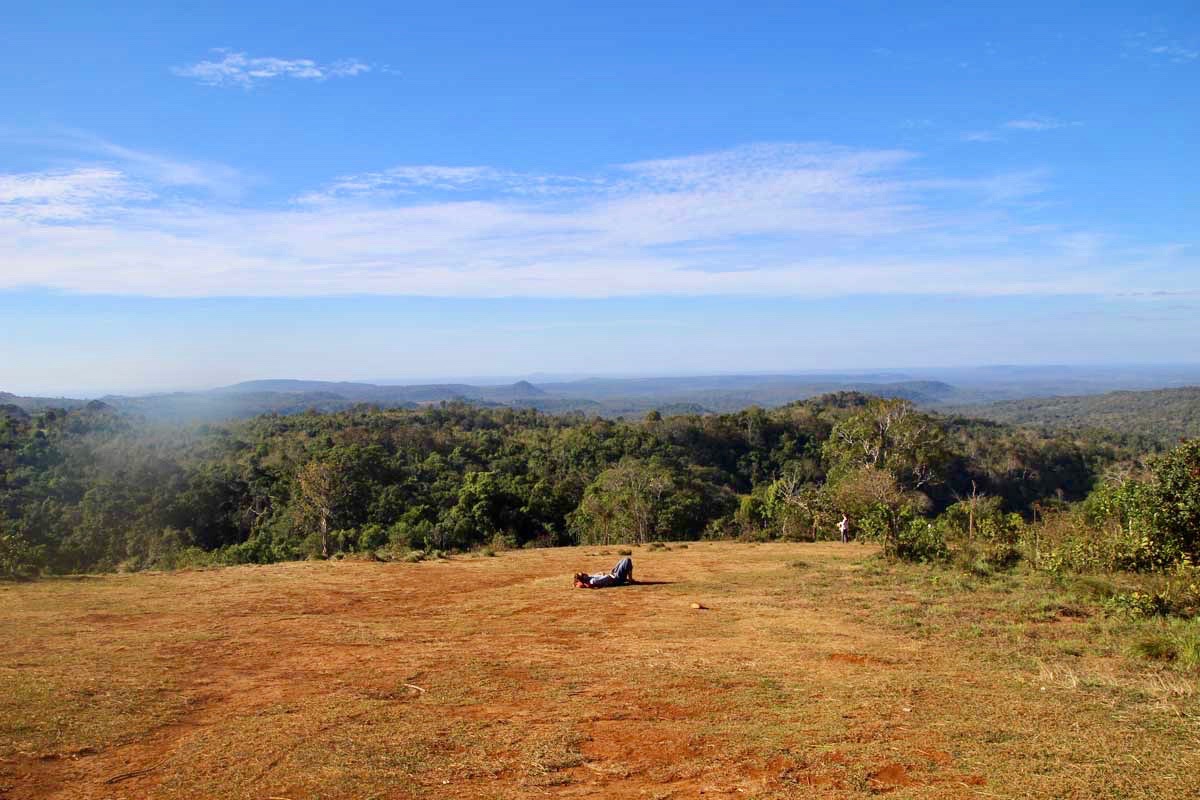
{"x": 1158, "y": 418}
{"x": 89, "y": 489}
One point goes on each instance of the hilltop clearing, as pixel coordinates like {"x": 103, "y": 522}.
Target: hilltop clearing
{"x": 813, "y": 670}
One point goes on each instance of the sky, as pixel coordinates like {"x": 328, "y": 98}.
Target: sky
{"x": 193, "y": 194}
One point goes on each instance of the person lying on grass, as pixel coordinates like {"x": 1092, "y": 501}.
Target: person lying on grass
{"x": 621, "y": 574}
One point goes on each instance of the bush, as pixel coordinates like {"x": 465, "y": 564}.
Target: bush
{"x": 410, "y": 532}
{"x": 1134, "y": 604}
{"x": 1177, "y": 492}
{"x": 504, "y": 541}
{"x": 371, "y": 537}
{"x": 1069, "y": 541}
{"x": 18, "y": 558}
{"x": 720, "y": 528}
{"x": 921, "y": 541}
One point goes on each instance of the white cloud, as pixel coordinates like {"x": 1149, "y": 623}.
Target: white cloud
{"x": 1158, "y": 47}
{"x": 765, "y": 219}
{"x": 216, "y": 178}
{"x": 1025, "y": 125}
{"x": 1175, "y": 52}
{"x": 239, "y": 69}
{"x": 138, "y": 165}
{"x": 1037, "y": 124}
{"x": 65, "y": 194}
{"x": 980, "y": 136}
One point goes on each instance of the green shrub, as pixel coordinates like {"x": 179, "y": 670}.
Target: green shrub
{"x": 411, "y": 532}
{"x": 371, "y": 537}
{"x": 504, "y": 541}
{"x": 18, "y": 558}
{"x": 1096, "y": 587}
{"x": 1134, "y": 604}
{"x": 1178, "y": 643}
{"x": 1082, "y": 540}
{"x": 921, "y": 541}
{"x": 720, "y": 528}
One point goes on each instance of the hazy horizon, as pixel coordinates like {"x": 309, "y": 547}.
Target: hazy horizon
{"x": 1149, "y": 373}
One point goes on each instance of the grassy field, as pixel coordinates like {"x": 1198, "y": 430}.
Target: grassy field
{"x": 814, "y": 671}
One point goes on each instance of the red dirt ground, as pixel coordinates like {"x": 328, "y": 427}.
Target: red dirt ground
{"x": 493, "y": 678}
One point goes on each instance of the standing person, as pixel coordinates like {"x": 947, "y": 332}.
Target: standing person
{"x": 844, "y": 527}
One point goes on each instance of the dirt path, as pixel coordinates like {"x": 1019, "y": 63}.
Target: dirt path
{"x": 492, "y": 678}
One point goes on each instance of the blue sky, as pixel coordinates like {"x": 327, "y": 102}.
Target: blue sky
{"x": 213, "y": 192}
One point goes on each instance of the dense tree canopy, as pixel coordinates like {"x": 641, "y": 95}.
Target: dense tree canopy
{"x": 92, "y": 489}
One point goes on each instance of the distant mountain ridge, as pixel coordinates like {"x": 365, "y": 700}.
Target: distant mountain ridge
{"x": 1029, "y": 396}
{"x": 371, "y": 392}
{"x": 599, "y": 396}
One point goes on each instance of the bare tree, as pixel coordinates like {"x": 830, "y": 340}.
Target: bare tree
{"x": 321, "y": 490}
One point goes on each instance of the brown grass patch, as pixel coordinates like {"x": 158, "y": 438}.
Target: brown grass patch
{"x": 492, "y": 678}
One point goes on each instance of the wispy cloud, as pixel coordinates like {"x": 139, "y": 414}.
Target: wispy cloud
{"x": 980, "y": 136}
{"x": 1031, "y": 124}
{"x": 69, "y": 146}
{"x": 1038, "y": 124}
{"x": 428, "y": 179}
{"x": 238, "y": 69}
{"x": 799, "y": 219}
{"x": 1157, "y": 46}
{"x": 62, "y": 195}
{"x": 1175, "y": 52}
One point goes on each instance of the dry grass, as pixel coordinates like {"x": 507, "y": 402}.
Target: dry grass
{"x": 814, "y": 670}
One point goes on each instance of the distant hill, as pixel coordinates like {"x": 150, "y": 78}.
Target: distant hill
{"x": 179, "y": 407}
{"x": 602, "y": 397}
{"x": 13, "y": 411}
{"x": 388, "y": 395}
{"x": 722, "y": 393}
{"x": 35, "y": 404}
{"x": 610, "y": 397}
{"x": 991, "y": 393}
{"x": 1164, "y": 415}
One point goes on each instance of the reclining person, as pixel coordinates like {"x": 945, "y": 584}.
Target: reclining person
{"x": 621, "y": 574}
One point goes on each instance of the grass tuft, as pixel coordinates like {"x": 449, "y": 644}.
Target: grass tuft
{"x": 1179, "y": 644}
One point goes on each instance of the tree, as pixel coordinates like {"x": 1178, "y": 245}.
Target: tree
{"x": 888, "y": 435}
{"x": 877, "y": 503}
{"x": 796, "y": 506}
{"x": 321, "y": 491}
{"x": 623, "y": 503}
{"x": 17, "y": 556}
{"x": 485, "y": 507}
{"x": 1177, "y": 477}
